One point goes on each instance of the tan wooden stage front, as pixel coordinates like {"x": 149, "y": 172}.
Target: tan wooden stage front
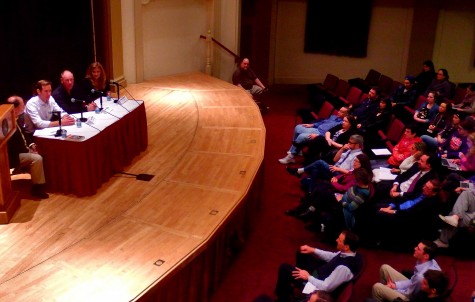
{"x": 169, "y": 239}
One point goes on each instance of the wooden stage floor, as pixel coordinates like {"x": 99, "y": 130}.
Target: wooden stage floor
{"x": 206, "y": 146}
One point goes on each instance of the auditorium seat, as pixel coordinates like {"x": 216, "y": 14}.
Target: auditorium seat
{"x": 329, "y": 84}
{"x": 411, "y": 110}
{"x": 385, "y": 84}
{"x": 341, "y": 90}
{"x": 394, "y": 133}
{"x": 352, "y": 97}
{"x": 370, "y": 80}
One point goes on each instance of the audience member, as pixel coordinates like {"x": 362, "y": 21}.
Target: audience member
{"x": 440, "y": 120}
{"x": 367, "y": 108}
{"x": 320, "y": 296}
{"x": 427, "y": 111}
{"x": 402, "y": 150}
{"x": 462, "y": 216}
{"x": 325, "y": 147}
{"x": 22, "y": 150}
{"x": 322, "y": 170}
{"x": 417, "y": 149}
{"x": 394, "y": 285}
{"x": 409, "y": 184}
{"x": 407, "y": 219}
{"x": 379, "y": 121}
{"x": 340, "y": 267}
{"x": 245, "y": 78}
{"x": 405, "y": 95}
{"x": 456, "y": 145}
{"x": 69, "y": 96}
{"x": 467, "y": 106}
{"x": 440, "y": 85}
{"x": 433, "y": 143}
{"x": 41, "y": 108}
{"x": 433, "y": 287}
{"x": 306, "y": 132}
{"x": 425, "y": 77}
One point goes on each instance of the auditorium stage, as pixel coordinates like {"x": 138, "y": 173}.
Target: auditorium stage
{"x": 168, "y": 239}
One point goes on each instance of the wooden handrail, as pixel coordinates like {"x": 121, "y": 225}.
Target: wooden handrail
{"x": 236, "y": 57}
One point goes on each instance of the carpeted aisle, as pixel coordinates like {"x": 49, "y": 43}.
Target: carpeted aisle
{"x": 276, "y": 236}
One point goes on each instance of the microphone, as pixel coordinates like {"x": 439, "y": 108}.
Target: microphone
{"x": 111, "y": 82}
{"x": 94, "y": 91}
{"x": 59, "y": 132}
{"x": 82, "y": 119}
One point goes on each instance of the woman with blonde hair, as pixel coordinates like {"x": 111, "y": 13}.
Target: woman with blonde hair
{"x": 96, "y": 78}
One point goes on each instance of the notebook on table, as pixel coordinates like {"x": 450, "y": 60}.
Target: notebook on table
{"x": 449, "y": 163}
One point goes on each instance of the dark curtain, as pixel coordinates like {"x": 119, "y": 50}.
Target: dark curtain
{"x": 338, "y": 27}
{"x": 39, "y": 39}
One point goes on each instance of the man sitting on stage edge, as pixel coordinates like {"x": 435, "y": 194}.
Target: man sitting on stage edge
{"x": 22, "y": 150}
{"x": 41, "y": 107}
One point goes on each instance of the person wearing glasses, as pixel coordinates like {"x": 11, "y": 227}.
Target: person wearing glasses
{"x": 320, "y": 169}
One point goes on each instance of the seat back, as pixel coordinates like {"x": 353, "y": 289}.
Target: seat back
{"x": 353, "y": 96}
{"x": 326, "y": 110}
{"x": 345, "y": 292}
{"x": 330, "y": 82}
{"x": 420, "y": 100}
{"x": 342, "y": 88}
{"x": 395, "y": 130}
{"x": 451, "y": 274}
{"x": 394, "y": 87}
{"x": 372, "y": 77}
{"x": 385, "y": 84}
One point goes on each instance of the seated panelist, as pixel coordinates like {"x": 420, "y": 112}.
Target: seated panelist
{"x": 71, "y": 97}
{"x": 41, "y": 108}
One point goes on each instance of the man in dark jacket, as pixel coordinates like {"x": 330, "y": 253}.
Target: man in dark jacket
{"x": 22, "y": 150}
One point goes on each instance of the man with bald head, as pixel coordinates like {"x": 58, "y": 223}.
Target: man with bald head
{"x": 22, "y": 150}
{"x": 69, "y": 96}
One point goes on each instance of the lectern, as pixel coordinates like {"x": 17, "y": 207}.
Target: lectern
{"x": 9, "y": 201}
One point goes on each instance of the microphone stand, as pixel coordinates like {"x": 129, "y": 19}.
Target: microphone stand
{"x": 59, "y": 131}
{"x": 100, "y": 109}
{"x": 118, "y": 89}
{"x": 83, "y": 119}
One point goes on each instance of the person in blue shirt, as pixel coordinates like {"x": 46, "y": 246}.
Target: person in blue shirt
{"x": 395, "y": 285}
{"x": 306, "y": 132}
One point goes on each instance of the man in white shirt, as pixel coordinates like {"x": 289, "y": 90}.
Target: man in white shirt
{"x": 41, "y": 107}
{"x": 340, "y": 267}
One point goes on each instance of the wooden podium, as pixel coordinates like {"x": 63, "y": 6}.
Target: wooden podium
{"x": 9, "y": 201}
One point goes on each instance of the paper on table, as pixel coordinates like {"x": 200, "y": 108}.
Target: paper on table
{"x": 384, "y": 174}
{"x": 382, "y": 151}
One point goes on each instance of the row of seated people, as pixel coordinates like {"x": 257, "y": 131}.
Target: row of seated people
{"x": 47, "y": 109}
{"x": 434, "y": 122}
{"x": 321, "y": 275}
{"x": 340, "y": 184}
{"x": 406, "y": 98}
